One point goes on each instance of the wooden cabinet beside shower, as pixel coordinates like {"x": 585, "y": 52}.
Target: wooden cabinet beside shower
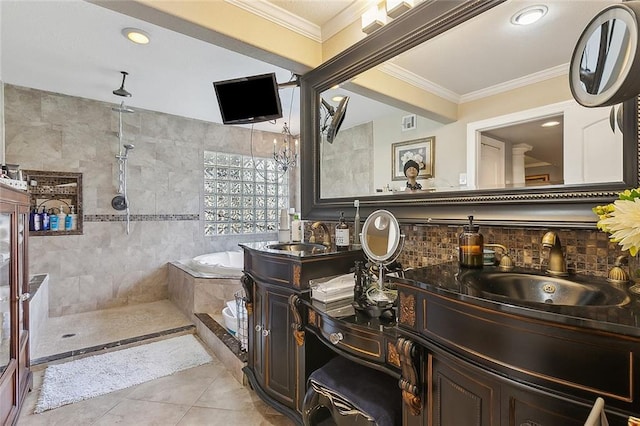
{"x": 52, "y": 192}
{"x": 15, "y": 377}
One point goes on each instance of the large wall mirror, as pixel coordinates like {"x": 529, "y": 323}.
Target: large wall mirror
{"x": 483, "y": 105}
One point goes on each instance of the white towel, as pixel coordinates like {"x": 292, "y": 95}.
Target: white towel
{"x": 597, "y": 417}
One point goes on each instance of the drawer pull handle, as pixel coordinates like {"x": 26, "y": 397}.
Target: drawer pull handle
{"x": 335, "y": 338}
{"x": 265, "y": 332}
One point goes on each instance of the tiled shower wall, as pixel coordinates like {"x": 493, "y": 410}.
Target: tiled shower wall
{"x": 105, "y": 267}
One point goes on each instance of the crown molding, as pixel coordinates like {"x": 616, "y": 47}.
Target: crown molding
{"x": 537, "y": 77}
{"x": 424, "y": 84}
{"x": 278, "y": 15}
{"x": 419, "y": 82}
{"x": 344, "y": 19}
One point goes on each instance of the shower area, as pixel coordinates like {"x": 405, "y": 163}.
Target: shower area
{"x": 121, "y": 201}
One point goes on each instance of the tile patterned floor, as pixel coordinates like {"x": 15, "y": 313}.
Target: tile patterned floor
{"x": 204, "y": 395}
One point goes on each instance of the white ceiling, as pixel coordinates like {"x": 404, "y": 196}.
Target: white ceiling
{"x": 75, "y": 47}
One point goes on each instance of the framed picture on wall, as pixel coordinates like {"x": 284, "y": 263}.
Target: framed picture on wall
{"x": 419, "y": 150}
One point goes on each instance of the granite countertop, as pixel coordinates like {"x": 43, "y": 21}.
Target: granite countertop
{"x": 263, "y": 246}
{"x": 443, "y": 279}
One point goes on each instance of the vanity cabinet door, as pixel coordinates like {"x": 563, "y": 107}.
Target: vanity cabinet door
{"x": 526, "y": 407}
{"x": 461, "y": 395}
{"x": 274, "y": 347}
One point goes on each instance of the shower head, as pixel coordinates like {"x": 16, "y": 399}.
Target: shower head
{"x": 128, "y": 147}
{"x": 121, "y": 91}
{"x": 122, "y": 108}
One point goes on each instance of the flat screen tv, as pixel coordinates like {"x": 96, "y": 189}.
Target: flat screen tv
{"x": 250, "y": 99}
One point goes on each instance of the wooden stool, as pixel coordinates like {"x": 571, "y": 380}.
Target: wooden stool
{"x": 351, "y": 395}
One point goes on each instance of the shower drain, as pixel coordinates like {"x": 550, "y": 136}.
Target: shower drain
{"x": 64, "y": 336}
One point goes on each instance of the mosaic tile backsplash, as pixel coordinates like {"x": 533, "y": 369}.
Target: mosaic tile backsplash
{"x": 586, "y": 251}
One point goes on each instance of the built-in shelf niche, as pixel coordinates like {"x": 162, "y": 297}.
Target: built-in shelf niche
{"x": 52, "y": 190}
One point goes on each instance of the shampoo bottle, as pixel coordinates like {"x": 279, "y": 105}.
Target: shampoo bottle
{"x": 72, "y": 218}
{"x": 342, "y": 234}
{"x": 44, "y": 220}
{"x": 61, "y": 219}
{"x": 53, "y": 221}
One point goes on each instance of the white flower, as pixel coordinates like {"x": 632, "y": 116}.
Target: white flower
{"x": 624, "y": 224}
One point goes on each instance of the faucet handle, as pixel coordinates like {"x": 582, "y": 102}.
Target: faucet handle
{"x": 506, "y": 264}
{"x": 617, "y": 275}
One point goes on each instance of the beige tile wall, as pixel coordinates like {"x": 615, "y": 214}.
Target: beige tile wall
{"x": 105, "y": 267}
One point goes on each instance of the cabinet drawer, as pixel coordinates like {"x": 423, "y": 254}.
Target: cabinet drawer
{"x": 370, "y": 345}
{"x": 357, "y": 342}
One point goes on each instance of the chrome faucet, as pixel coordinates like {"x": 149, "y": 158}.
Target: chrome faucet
{"x": 326, "y": 238}
{"x": 557, "y": 264}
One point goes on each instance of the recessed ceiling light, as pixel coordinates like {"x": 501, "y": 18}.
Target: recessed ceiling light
{"x": 529, "y": 15}
{"x": 337, "y": 98}
{"x": 551, "y": 123}
{"x": 135, "y": 35}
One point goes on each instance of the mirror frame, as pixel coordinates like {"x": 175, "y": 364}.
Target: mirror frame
{"x": 567, "y": 206}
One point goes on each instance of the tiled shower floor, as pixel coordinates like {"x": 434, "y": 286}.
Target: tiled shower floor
{"x": 204, "y": 395}
{"x": 71, "y": 335}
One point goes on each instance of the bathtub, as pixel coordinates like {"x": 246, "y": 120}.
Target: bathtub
{"x": 204, "y": 284}
{"x": 224, "y": 264}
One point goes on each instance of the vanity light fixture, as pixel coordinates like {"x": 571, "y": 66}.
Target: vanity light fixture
{"x": 374, "y": 18}
{"x": 551, "y": 123}
{"x": 529, "y": 15}
{"x": 396, "y": 8}
{"x": 136, "y": 35}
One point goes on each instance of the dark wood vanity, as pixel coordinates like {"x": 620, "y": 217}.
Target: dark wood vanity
{"x": 489, "y": 363}
{"x": 461, "y": 358}
{"x": 279, "y": 360}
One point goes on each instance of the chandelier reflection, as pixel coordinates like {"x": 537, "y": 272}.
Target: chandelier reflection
{"x": 286, "y": 153}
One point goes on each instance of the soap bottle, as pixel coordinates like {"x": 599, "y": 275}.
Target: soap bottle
{"x": 67, "y": 222}
{"x": 61, "y": 219}
{"x": 471, "y": 246}
{"x": 342, "y": 234}
{"x": 296, "y": 228}
{"x": 44, "y": 220}
{"x": 72, "y": 218}
{"x": 32, "y": 219}
{"x": 53, "y": 221}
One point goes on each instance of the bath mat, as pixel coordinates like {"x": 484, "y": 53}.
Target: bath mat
{"x": 100, "y": 374}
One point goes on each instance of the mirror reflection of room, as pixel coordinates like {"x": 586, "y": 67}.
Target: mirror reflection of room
{"x": 507, "y": 127}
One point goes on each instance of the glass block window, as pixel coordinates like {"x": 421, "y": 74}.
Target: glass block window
{"x": 242, "y": 195}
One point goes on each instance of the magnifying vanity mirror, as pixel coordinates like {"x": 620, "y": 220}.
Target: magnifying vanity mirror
{"x": 382, "y": 243}
{"x": 605, "y": 63}
{"x": 414, "y": 93}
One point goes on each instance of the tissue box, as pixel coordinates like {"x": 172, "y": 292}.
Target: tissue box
{"x": 331, "y": 289}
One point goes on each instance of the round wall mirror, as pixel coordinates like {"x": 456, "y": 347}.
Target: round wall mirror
{"x": 380, "y": 237}
{"x": 605, "y": 62}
